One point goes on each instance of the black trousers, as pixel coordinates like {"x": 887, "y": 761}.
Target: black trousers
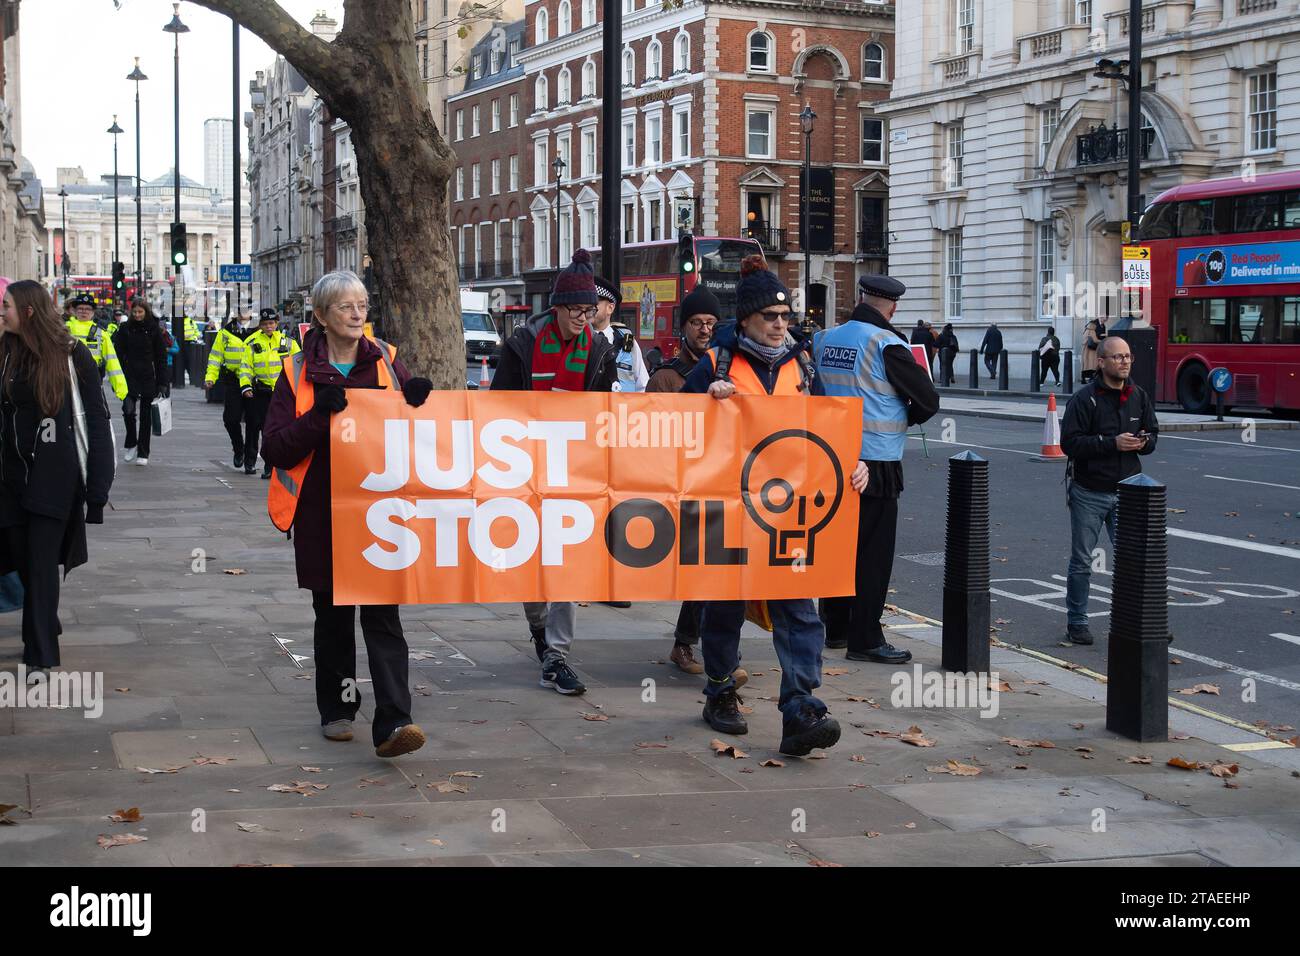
{"x": 335, "y": 641}
{"x": 258, "y": 406}
{"x": 1052, "y": 365}
{"x": 235, "y": 413}
{"x": 946, "y": 356}
{"x": 138, "y": 432}
{"x": 688, "y": 623}
{"x": 857, "y": 618}
{"x": 34, "y": 548}
{"x": 991, "y": 363}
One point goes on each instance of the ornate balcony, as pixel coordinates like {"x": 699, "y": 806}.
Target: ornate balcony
{"x": 1103, "y": 144}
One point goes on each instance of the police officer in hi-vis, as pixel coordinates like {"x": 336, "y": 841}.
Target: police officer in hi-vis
{"x": 868, "y": 358}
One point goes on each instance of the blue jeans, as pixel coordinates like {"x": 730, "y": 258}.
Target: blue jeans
{"x": 1089, "y": 510}
{"x": 797, "y": 635}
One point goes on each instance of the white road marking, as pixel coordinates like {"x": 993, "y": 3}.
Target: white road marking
{"x": 1235, "y": 543}
{"x": 963, "y": 444}
{"x": 1247, "y": 481}
{"x": 1233, "y": 668}
{"x": 1215, "y": 441}
{"x": 1290, "y": 638}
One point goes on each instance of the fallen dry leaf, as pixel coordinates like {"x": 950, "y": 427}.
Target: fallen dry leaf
{"x": 1224, "y": 770}
{"x": 956, "y": 768}
{"x": 310, "y": 769}
{"x": 586, "y": 716}
{"x": 727, "y": 750}
{"x": 303, "y": 787}
{"x": 1138, "y": 759}
{"x": 125, "y": 816}
{"x": 872, "y": 834}
{"x": 448, "y": 787}
{"x": 816, "y": 862}
{"x": 1186, "y": 764}
{"x": 909, "y": 826}
{"x": 834, "y": 671}
{"x": 1201, "y": 689}
{"x": 916, "y": 737}
{"x": 858, "y": 758}
{"x": 1174, "y": 660}
{"x": 816, "y": 755}
{"x": 1084, "y": 750}
{"x": 647, "y": 744}
{"x": 122, "y": 690}
{"x": 465, "y": 773}
{"x": 366, "y": 782}
{"x": 361, "y": 813}
{"x": 435, "y": 841}
{"x": 1000, "y": 686}
{"x": 249, "y": 827}
{"x": 771, "y": 763}
{"x": 1077, "y": 726}
{"x": 160, "y": 769}
{"x": 1021, "y": 766}
{"x": 122, "y": 839}
{"x": 1231, "y": 785}
{"x": 1041, "y": 744}
{"x": 202, "y": 761}
{"x": 233, "y": 571}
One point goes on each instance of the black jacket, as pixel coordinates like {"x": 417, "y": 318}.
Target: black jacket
{"x": 41, "y": 475}
{"x": 1094, "y": 416}
{"x": 143, "y": 356}
{"x": 992, "y": 343}
{"x": 515, "y": 361}
{"x": 727, "y": 336}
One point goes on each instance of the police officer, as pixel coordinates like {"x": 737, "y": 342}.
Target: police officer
{"x": 632, "y": 373}
{"x": 83, "y": 328}
{"x": 262, "y": 361}
{"x": 224, "y": 364}
{"x": 868, "y": 358}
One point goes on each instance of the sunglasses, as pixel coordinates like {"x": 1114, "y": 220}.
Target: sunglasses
{"x": 774, "y": 316}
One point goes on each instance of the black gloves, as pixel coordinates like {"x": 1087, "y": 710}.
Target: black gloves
{"x": 330, "y": 398}
{"x": 416, "y": 390}
{"x": 94, "y": 514}
{"x": 165, "y": 390}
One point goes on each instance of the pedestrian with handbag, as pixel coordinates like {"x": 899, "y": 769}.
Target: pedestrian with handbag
{"x": 56, "y": 458}
{"x": 142, "y": 352}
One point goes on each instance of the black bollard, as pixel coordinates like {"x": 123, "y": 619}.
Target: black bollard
{"x": 1035, "y": 369}
{"x": 966, "y": 566}
{"x": 1067, "y": 375}
{"x": 1003, "y": 376}
{"x": 1137, "y": 664}
{"x": 974, "y": 369}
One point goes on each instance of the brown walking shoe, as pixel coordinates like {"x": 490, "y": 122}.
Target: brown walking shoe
{"x": 403, "y": 740}
{"x": 684, "y": 657}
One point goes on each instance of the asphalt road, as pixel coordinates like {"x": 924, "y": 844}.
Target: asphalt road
{"x": 1234, "y": 604}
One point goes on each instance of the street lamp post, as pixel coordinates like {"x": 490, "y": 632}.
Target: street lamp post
{"x": 806, "y": 117}
{"x": 558, "y": 165}
{"x": 276, "y": 230}
{"x": 176, "y": 28}
{"x": 114, "y": 130}
{"x": 63, "y": 197}
{"x": 137, "y": 76}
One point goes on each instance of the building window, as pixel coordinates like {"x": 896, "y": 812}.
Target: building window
{"x": 760, "y": 53}
{"x": 494, "y": 61}
{"x": 541, "y": 163}
{"x": 1048, "y": 119}
{"x": 564, "y": 88}
{"x": 563, "y": 151}
{"x": 460, "y": 251}
{"x": 653, "y": 60}
{"x": 954, "y": 142}
{"x": 965, "y": 25}
{"x": 564, "y": 19}
{"x": 629, "y": 144}
{"x": 496, "y": 177}
{"x": 474, "y": 181}
{"x": 514, "y": 173}
{"x": 952, "y": 274}
{"x": 587, "y": 227}
{"x": 514, "y": 54}
{"x": 1262, "y": 110}
{"x": 587, "y": 158}
{"x": 654, "y": 152}
{"x": 655, "y": 211}
{"x": 873, "y": 140}
{"x": 539, "y": 92}
{"x": 629, "y": 67}
{"x": 1083, "y": 12}
{"x": 541, "y": 27}
{"x": 681, "y": 134}
{"x": 460, "y": 183}
{"x": 476, "y": 70}
{"x": 629, "y": 222}
{"x": 460, "y": 125}
{"x": 424, "y": 60}
{"x": 514, "y": 109}
{"x": 758, "y": 127}
{"x": 473, "y": 120}
{"x": 873, "y": 62}
{"x": 588, "y": 12}
{"x": 496, "y": 116}
{"x": 566, "y": 233}
{"x": 629, "y": 6}
{"x": 541, "y": 240}
{"x": 588, "y": 79}
{"x": 682, "y": 53}
{"x": 1046, "y": 269}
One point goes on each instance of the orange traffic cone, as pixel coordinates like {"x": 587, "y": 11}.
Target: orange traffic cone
{"x": 483, "y": 379}
{"x": 1051, "y": 433}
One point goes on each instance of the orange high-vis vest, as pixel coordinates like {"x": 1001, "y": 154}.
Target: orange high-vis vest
{"x": 282, "y": 496}
{"x": 742, "y": 375}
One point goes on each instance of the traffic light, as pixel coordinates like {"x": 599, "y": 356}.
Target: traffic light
{"x": 180, "y": 252}
{"x": 686, "y": 253}
{"x": 119, "y": 276}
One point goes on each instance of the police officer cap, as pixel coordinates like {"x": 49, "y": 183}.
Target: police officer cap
{"x": 882, "y": 286}
{"x": 268, "y": 314}
{"x": 83, "y": 298}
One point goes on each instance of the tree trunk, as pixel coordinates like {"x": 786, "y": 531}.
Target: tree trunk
{"x": 368, "y": 78}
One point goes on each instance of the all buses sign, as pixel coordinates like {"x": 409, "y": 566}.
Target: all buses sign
{"x": 526, "y": 496}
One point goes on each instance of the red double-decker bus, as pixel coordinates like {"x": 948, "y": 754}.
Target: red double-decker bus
{"x": 1225, "y": 290}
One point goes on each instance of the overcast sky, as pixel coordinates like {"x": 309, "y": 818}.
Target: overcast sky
{"x": 75, "y": 58}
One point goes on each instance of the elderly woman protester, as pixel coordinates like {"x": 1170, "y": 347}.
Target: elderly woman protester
{"x": 336, "y": 356}
{"x": 761, "y": 354}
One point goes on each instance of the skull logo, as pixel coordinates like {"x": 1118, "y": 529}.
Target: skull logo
{"x": 774, "y": 486}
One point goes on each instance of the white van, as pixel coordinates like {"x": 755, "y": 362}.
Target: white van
{"x": 481, "y": 339}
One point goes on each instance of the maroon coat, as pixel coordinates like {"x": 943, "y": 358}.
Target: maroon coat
{"x": 287, "y": 439}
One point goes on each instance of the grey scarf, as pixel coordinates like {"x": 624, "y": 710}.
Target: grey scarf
{"x": 768, "y": 353}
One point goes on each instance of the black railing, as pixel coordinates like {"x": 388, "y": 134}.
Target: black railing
{"x": 872, "y": 243}
{"x": 1103, "y": 144}
{"x": 770, "y": 239}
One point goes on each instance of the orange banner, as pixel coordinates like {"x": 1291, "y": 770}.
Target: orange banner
{"x": 528, "y": 496}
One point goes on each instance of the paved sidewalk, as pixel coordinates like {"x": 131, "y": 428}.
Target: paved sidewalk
{"x": 1034, "y": 410}
{"x": 192, "y": 670}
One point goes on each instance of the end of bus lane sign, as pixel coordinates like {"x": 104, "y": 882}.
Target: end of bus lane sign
{"x": 1137, "y": 267}
{"x": 235, "y": 272}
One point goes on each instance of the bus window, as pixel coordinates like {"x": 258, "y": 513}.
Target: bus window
{"x": 1254, "y": 322}
{"x": 1255, "y": 213}
{"x": 1291, "y": 210}
{"x": 1202, "y": 321}
{"x": 660, "y": 260}
{"x": 1290, "y": 321}
{"x": 1196, "y": 217}
{"x": 1158, "y": 221}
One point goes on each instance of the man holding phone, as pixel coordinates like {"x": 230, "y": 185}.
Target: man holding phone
{"x": 1107, "y": 424}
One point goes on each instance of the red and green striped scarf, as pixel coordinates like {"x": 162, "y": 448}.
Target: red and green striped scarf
{"x": 559, "y": 366}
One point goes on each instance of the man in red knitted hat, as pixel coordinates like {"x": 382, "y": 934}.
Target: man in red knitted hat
{"x": 558, "y": 352}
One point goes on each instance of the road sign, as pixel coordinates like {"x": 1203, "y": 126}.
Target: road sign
{"x": 1137, "y": 267}
{"x": 1220, "y": 380}
{"x": 232, "y": 272}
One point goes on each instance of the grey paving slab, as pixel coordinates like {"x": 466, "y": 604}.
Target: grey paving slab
{"x": 13, "y": 790}
{"x": 1042, "y": 801}
{"x": 121, "y": 711}
{"x": 462, "y": 741}
{"x": 72, "y": 842}
{"x": 86, "y": 636}
{"x": 171, "y": 748}
{"x": 493, "y": 703}
{"x": 677, "y": 730}
{"x": 764, "y": 817}
{"x": 712, "y": 854}
{"x": 255, "y": 710}
{"x": 80, "y": 750}
{"x": 1207, "y": 795}
{"x": 938, "y": 848}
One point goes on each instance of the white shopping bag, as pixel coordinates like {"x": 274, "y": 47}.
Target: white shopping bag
{"x": 162, "y": 416}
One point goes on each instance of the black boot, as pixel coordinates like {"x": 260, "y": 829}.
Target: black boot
{"x": 722, "y": 713}
{"x": 801, "y": 734}
{"x": 539, "y": 642}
